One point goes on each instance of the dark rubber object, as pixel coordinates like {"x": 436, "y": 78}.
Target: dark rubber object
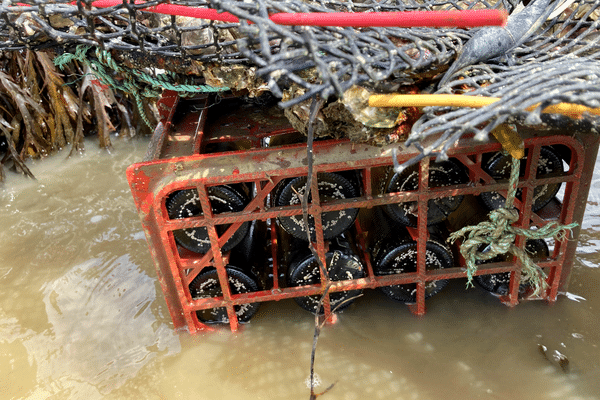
{"x": 223, "y": 199}
{"x": 331, "y": 187}
{"x": 341, "y": 266}
{"x": 444, "y": 173}
{"x": 400, "y": 258}
{"x": 498, "y": 167}
{"x": 499, "y": 284}
{"x": 206, "y": 285}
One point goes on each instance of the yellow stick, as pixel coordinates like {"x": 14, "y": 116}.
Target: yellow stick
{"x": 510, "y": 140}
{"x": 458, "y": 100}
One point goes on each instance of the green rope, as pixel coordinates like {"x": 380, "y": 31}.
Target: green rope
{"x": 133, "y": 81}
{"x": 498, "y": 236}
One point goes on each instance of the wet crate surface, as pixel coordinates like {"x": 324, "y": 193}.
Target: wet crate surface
{"x": 185, "y": 131}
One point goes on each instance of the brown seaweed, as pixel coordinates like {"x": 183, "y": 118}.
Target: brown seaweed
{"x": 43, "y": 111}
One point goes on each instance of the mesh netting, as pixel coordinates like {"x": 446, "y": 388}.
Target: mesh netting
{"x": 560, "y": 63}
{"x": 557, "y": 62}
{"x": 533, "y": 84}
{"x": 321, "y": 60}
{"x": 343, "y": 57}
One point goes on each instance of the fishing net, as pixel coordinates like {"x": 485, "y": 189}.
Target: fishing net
{"x": 558, "y": 62}
{"x": 321, "y": 60}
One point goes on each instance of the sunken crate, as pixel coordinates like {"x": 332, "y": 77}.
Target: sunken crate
{"x": 218, "y": 196}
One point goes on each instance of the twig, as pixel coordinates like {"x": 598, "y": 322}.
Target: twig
{"x": 14, "y": 154}
{"x": 317, "y": 332}
{"x": 314, "y": 108}
{"x": 318, "y": 327}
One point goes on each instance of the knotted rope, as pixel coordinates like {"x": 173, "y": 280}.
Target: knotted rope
{"x": 497, "y": 236}
{"x": 130, "y": 80}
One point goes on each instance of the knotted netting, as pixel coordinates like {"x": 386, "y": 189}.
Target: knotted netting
{"x": 556, "y": 60}
{"x": 559, "y": 63}
{"x": 322, "y": 60}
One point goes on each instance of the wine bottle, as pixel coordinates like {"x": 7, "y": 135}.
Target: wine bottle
{"x": 499, "y": 166}
{"x": 223, "y": 199}
{"x": 444, "y": 173}
{"x": 250, "y": 255}
{"x": 245, "y": 272}
{"x": 395, "y": 252}
{"x": 284, "y": 139}
{"x": 498, "y": 284}
{"x": 207, "y": 285}
{"x": 332, "y": 186}
{"x": 342, "y": 263}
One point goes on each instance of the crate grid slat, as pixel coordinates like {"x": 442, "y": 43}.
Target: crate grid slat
{"x": 153, "y": 181}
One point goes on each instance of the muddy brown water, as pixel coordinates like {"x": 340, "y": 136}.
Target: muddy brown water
{"x": 82, "y": 316}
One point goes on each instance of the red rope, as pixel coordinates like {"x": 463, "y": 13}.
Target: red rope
{"x": 409, "y": 19}
{"x": 174, "y": 9}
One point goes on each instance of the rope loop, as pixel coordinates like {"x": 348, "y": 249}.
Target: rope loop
{"x": 489, "y": 239}
{"x": 135, "y": 82}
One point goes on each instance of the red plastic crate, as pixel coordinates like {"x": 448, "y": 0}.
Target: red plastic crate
{"x": 175, "y": 162}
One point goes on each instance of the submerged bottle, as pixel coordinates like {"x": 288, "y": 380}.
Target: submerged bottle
{"x": 342, "y": 263}
{"x": 443, "y": 173}
{"x": 223, "y": 199}
{"x": 251, "y": 253}
{"x": 499, "y": 166}
{"x": 395, "y": 252}
{"x": 332, "y": 186}
{"x": 498, "y": 284}
{"x": 207, "y": 285}
{"x": 245, "y": 274}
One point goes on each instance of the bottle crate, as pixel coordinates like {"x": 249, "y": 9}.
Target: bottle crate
{"x": 177, "y": 160}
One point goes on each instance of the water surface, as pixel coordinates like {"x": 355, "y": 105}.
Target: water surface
{"x": 82, "y": 316}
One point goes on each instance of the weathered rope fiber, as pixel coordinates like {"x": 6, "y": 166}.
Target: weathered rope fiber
{"x": 134, "y": 81}
{"x": 495, "y": 237}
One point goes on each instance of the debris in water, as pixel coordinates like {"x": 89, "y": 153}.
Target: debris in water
{"x": 556, "y": 358}
{"x": 562, "y": 361}
{"x": 316, "y": 381}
